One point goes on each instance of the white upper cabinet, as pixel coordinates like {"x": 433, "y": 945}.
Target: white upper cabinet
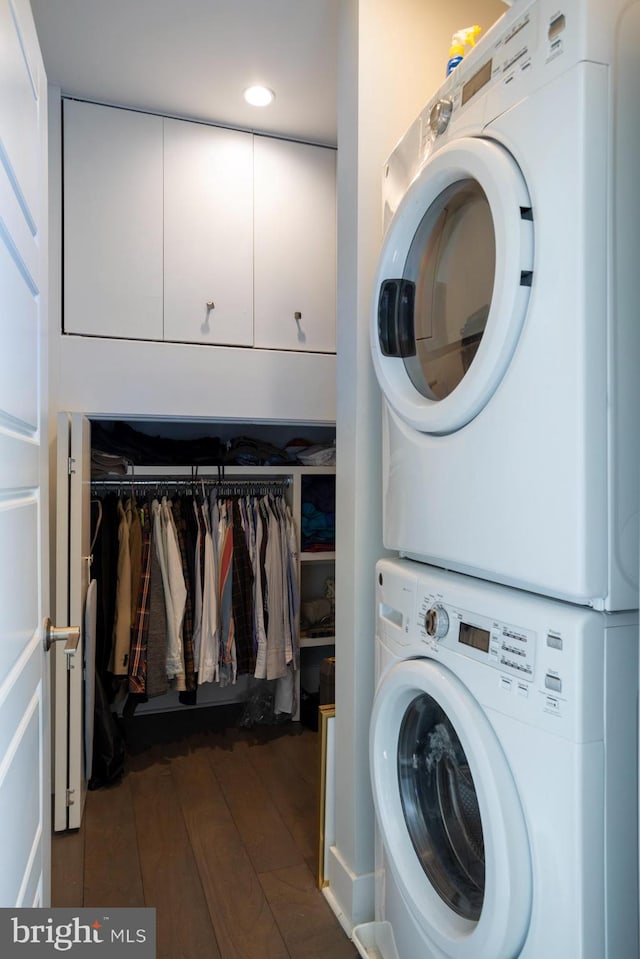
{"x": 112, "y": 222}
{"x": 294, "y": 246}
{"x": 208, "y": 234}
{"x": 188, "y": 233}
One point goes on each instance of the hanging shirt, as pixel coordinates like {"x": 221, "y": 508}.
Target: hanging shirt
{"x": 287, "y": 624}
{"x": 156, "y": 681}
{"x": 182, "y": 533}
{"x": 197, "y": 594}
{"x": 293, "y": 589}
{"x": 122, "y": 622}
{"x": 209, "y": 653}
{"x": 250, "y": 534}
{"x": 242, "y": 594}
{"x": 276, "y": 662}
{"x": 140, "y": 628}
{"x": 178, "y": 593}
{"x": 173, "y": 659}
{"x": 135, "y": 553}
{"x": 258, "y": 610}
{"x": 228, "y": 668}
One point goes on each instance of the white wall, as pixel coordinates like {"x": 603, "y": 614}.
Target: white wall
{"x": 125, "y": 378}
{"x": 392, "y": 57}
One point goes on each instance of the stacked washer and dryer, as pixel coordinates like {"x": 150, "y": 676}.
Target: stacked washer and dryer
{"x": 505, "y": 339}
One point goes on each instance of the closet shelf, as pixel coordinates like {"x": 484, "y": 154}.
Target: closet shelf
{"x": 327, "y": 556}
{"x": 311, "y": 642}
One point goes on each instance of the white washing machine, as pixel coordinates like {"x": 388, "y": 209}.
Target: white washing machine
{"x": 503, "y": 756}
{"x": 504, "y": 331}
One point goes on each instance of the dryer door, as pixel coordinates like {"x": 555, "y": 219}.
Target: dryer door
{"x": 453, "y": 285}
{"x": 449, "y": 814}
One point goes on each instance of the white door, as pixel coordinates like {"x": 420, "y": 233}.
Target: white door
{"x": 453, "y": 285}
{"x": 449, "y": 814}
{"x": 73, "y": 675}
{"x": 24, "y": 591}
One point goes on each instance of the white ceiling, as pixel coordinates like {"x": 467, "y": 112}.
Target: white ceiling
{"x": 193, "y": 58}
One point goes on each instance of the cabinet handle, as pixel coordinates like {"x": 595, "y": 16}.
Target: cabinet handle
{"x": 300, "y": 333}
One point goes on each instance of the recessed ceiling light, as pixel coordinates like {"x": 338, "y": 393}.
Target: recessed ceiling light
{"x": 259, "y": 96}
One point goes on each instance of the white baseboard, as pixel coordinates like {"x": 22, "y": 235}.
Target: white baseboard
{"x": 350, "y": 896}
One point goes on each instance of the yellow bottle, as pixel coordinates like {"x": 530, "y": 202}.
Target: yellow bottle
{"x": 459, "y": 41}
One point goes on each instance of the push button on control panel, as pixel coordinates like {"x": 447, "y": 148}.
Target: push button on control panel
{"x": 553, "y": 682}
{"x": 555, "y": 642}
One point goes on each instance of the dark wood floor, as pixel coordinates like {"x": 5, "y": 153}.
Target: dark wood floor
{"x": 217, "y": 831}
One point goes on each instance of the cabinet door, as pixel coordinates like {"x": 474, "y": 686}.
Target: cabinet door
{"x": 208, "y": 216}
{"x": 112, "y": 222}
{"x": 295, "y": 246}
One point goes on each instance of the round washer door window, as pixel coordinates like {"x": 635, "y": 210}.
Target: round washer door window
{"x": 453, "y": 285}
{"x": 449, "y": 814}
{"x": 440, "y": 806}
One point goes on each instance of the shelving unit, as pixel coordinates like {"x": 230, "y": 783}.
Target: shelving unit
{"x": 315, "y": 567}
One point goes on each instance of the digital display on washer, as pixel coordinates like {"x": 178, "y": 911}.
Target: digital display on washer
{"x": 475, "y": 637}
{"x": 477, "y": 81}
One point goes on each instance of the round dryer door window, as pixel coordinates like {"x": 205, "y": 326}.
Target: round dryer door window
{"x": 449, "y": 814}
{"x": 453, "y": 285}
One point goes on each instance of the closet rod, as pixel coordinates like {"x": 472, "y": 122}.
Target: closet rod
{"x": 126, "y": 482}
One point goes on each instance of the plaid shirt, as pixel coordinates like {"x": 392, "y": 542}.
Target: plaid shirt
{"x": 140, "y": 628}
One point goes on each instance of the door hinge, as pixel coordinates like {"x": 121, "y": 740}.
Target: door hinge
{"x": 68, "y": 800}
{"x": 71, "y": 465}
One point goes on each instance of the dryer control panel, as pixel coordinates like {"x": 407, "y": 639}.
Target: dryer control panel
{"x": 505, "y": 646}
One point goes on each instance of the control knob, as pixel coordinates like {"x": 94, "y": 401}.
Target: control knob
{"x": 436, "y": 621}
{"x": 440, "y": 115}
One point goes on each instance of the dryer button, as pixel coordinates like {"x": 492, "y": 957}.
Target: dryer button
{"x": 555, "y": 642}
{"x": 553, "y": 682}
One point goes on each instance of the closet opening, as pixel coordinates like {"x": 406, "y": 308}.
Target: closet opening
{"x": 161, "y": 777}
{"x": 200, "y": 556}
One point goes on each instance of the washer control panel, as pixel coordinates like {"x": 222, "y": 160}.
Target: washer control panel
{"x": 502, "y": 645}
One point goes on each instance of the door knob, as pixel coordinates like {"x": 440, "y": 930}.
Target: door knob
{"x": 53, "y": 634}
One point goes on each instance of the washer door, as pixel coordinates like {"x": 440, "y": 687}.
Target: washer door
{"x": 453, "y": 285}
{"x": 449, "y": 814}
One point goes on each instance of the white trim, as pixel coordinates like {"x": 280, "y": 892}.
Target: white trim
{"x": 351, "y": 897}
{"x": 12, "y": 748}
{"x": 35, "y": 848}
{"x": 18, "y": 667}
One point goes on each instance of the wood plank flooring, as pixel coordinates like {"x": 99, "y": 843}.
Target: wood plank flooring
{"x": 218, "y": 832}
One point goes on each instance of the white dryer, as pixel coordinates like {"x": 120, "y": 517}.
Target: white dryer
{"x": 504, "y": 330}
{"x": 503, "y": 762}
